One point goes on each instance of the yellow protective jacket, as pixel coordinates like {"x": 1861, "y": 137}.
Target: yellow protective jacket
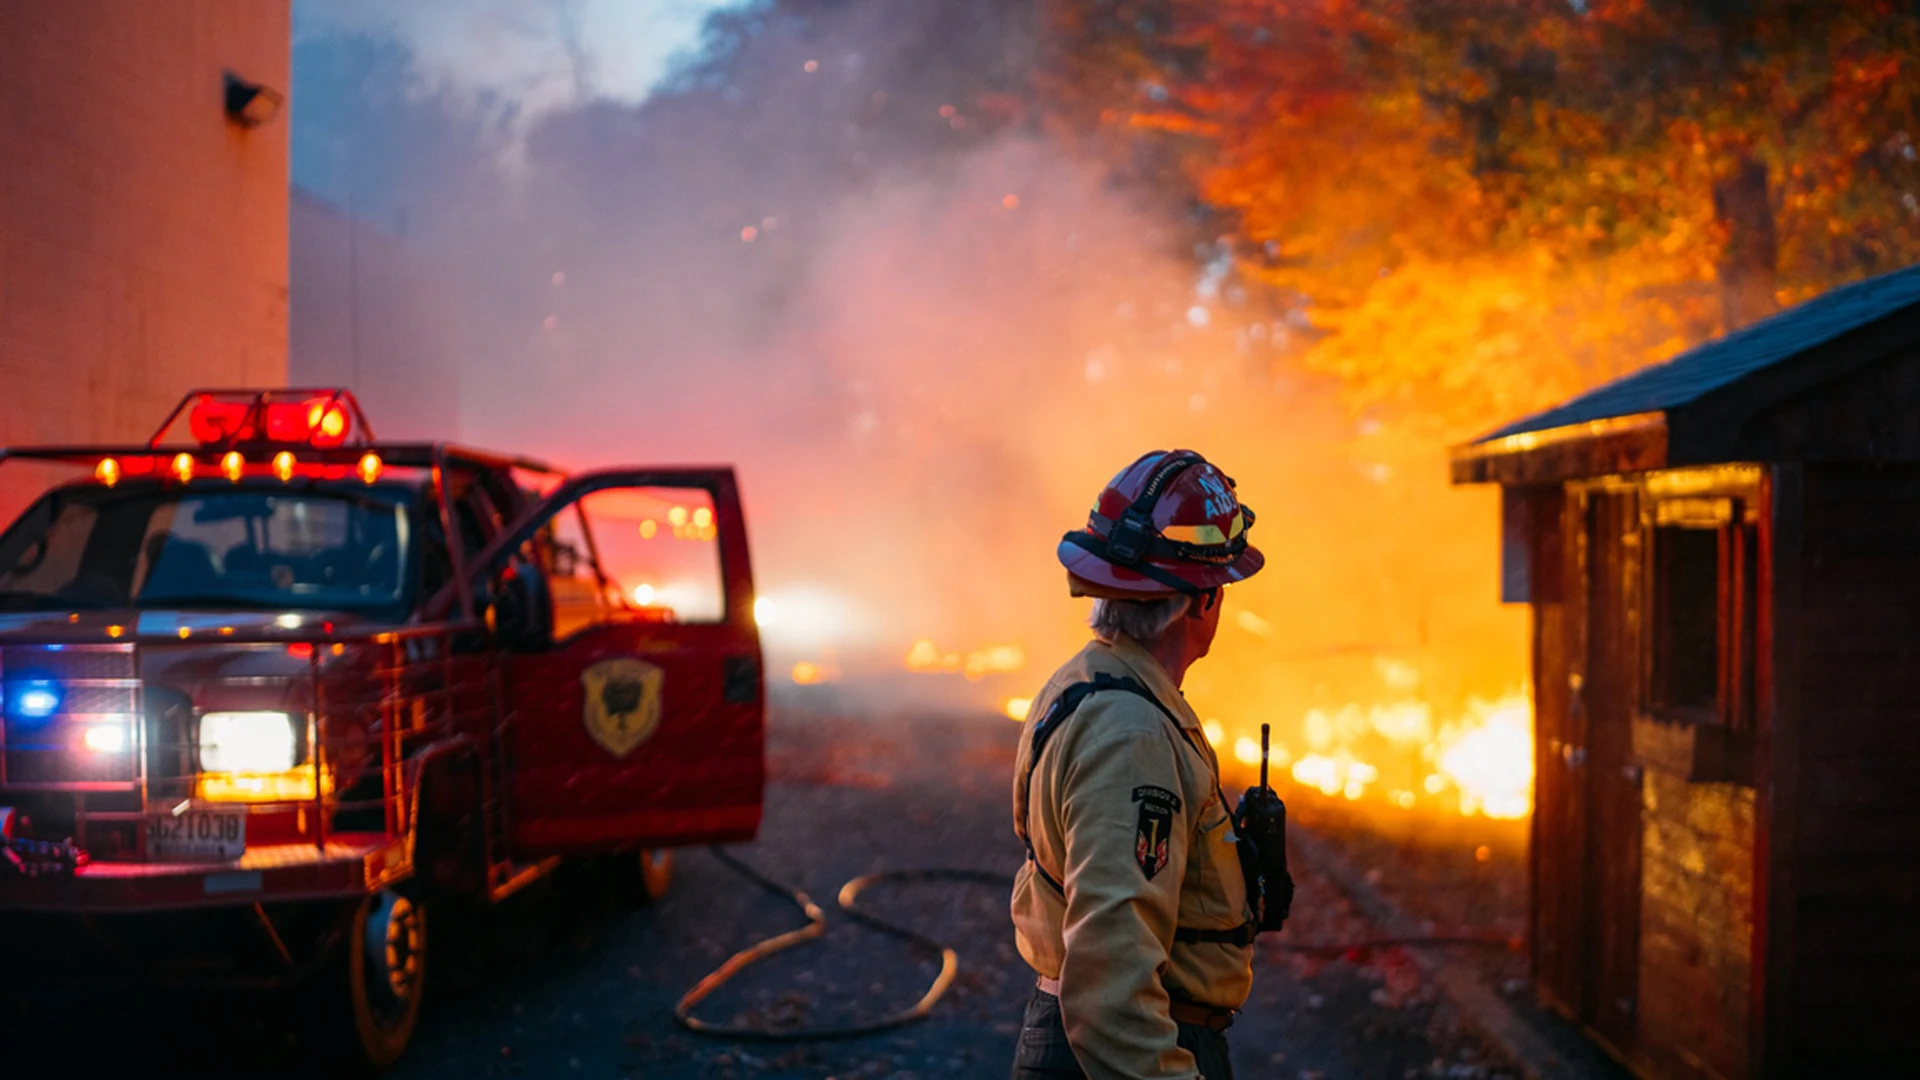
{"x": 1126, "y": 819}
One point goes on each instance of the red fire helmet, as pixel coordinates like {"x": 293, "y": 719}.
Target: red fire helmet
{"x": 1169, "y": 524}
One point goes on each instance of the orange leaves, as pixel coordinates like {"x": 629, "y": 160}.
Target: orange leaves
{"x": 1497, "y": 199}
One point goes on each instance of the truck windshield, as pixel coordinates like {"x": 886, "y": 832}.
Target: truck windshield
{"x": 153, "y": 547}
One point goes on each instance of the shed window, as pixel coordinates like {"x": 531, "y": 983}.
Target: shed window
{"x": 1686, "y": 621}
{"x": 1704, "y": 591}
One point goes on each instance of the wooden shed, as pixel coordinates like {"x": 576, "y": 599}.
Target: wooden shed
{"x": 1722, "y": 558}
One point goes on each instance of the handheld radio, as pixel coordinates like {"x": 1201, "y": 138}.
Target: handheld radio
{"x": 1261, "y": 823}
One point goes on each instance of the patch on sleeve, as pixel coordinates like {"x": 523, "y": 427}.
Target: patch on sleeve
{"x": 1150, "y": 846}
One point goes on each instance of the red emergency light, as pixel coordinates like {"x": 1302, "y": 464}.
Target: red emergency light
{"x": 321, "y": 419}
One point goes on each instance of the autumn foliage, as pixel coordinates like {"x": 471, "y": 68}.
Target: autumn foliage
{"x": 1472, "y": 208}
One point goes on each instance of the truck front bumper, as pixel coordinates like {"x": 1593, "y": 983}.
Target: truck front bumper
{"x": 351, "y": 865}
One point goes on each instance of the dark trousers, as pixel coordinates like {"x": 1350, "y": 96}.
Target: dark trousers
{"x": 1043, "y": 1053}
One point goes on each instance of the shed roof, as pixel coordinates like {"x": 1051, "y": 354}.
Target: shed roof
{"x": 1823, "y": 334}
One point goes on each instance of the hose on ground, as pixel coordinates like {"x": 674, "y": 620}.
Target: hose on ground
{"x": 848, "y": 898}
{"x": 816, "y": 928}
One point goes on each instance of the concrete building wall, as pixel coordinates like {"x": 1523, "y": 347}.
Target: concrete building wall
{"x": 143, "y": 235}
{"x": 374, "y": 315}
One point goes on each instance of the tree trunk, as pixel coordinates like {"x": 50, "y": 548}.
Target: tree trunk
{"x": 1743, "y": 206}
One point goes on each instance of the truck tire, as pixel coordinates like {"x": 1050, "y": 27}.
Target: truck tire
{"x": 362, "y": 1009}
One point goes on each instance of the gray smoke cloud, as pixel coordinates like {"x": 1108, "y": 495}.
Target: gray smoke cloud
{"x": 843, "y": 254}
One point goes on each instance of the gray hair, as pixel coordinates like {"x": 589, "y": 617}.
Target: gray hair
{"x": 1141, "y": 620}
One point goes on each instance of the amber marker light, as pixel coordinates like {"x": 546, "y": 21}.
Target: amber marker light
{"x": 183, "y": 467}
{"x": 232, "y": 465}
{"x": 283, "y": 465}
{"x": 107, "y": 472}
{"x": 369, "y": 467}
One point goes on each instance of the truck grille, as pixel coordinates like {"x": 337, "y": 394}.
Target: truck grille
{"x": 95, "y": 685}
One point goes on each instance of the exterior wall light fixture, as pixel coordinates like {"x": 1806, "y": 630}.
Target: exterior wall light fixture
{"x": 250, "y": 104}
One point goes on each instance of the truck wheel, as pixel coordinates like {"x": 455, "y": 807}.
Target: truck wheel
{"x": 367, "y": 1000}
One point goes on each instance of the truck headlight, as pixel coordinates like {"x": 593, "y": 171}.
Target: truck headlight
{"x": 247, "y": 742}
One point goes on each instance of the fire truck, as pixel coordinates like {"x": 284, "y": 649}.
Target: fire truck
{"x": 274, "y": 690}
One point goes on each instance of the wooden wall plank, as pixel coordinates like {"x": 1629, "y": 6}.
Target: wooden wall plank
{"x": 1557, "y": 853}
{"x": 1856, "y": 909}
{"x": 1777, "y": 849}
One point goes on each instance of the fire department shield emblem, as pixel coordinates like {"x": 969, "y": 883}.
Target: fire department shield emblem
{"x": 623, "y": 703}
{"x": 1155, "y": 827}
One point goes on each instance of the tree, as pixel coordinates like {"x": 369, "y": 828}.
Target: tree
{"x": 1471, "y": 207}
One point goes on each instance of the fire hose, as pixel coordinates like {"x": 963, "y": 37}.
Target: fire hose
{"x": 816, "y": 928}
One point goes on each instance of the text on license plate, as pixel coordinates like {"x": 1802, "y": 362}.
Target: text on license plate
{"x": 197, "y": 834}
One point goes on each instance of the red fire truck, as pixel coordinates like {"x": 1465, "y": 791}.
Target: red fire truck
{"x": 273, "y": 690}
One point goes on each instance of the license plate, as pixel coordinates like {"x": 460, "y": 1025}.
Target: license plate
{"x": 200, "y": 835}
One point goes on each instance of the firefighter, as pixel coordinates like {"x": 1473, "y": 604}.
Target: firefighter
{"x": 1132, "y": 907}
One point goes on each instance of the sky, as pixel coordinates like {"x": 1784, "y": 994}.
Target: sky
{"x": 524, "y": 52}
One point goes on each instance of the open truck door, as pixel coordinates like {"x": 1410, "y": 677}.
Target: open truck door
{"x": 634, "y": 702}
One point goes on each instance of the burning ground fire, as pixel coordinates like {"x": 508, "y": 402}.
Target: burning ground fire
{"x": 1480, "y": 762}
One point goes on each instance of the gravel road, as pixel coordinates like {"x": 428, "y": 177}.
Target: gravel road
{"x": 562, "y": 981}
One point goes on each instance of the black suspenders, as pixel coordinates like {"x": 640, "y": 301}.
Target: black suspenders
{"x": 1063, "y": 707}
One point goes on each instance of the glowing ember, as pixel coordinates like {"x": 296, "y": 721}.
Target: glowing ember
{"x": 1338, "y": 774}
{"x": 1247, "y": 749}
{"x": 1018, "y": 708}
{"x": 925, "y": 656}
{"x": 995, "y": 659}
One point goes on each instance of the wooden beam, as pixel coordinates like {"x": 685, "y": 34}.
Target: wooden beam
{"x": 1578, "y": 451}
{"x": 1776, "y": 854}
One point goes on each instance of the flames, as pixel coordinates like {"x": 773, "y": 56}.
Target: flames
{"x": 927, "y": 658}
{"x": 1478, "y": 761}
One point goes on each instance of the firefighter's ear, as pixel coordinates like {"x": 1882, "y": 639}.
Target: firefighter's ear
{"x": 1199, "y": 605}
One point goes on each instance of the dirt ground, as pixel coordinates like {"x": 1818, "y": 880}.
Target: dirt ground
{"x": 564, "y": 981}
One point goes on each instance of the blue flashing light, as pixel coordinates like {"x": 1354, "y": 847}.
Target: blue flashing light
{"x": 34, "y": 700}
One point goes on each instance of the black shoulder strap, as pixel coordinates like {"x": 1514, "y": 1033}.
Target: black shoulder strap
{"x": 1056, "y": 715}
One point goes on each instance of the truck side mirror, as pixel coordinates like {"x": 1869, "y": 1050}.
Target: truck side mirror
{"x": 523, "y": 608}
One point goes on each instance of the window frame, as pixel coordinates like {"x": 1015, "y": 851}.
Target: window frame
{"x": 1732, "y": 503}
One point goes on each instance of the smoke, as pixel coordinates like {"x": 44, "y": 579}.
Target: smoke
{"x": 842, "y": 254}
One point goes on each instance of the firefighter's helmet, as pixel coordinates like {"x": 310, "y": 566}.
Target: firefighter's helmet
{"x": 1169, "y": 524}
